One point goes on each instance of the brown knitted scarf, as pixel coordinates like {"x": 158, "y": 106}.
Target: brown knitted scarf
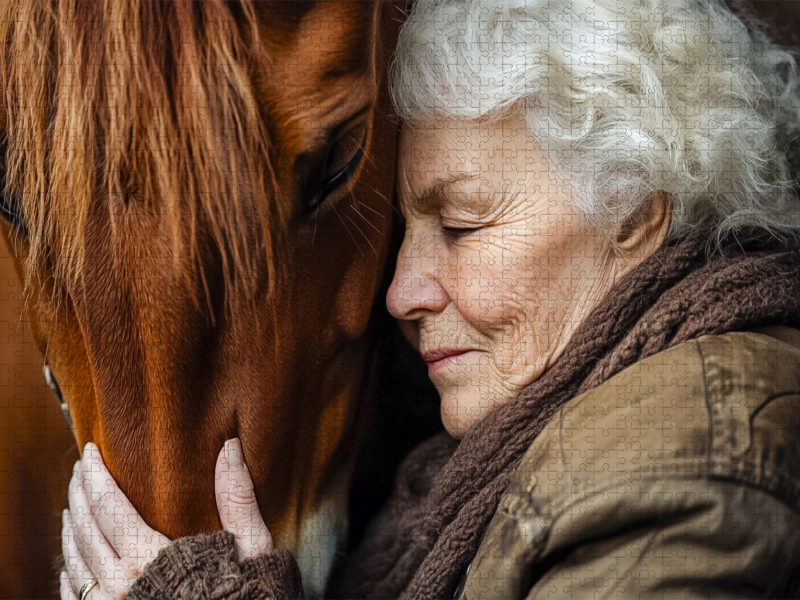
{"x": 446, "y": 493}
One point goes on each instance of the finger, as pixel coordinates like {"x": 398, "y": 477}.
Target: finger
{"x": 77, "y": 571}
{"x": 236, "y": 503}
{"x": 90, "y": 542}
{"x": 65, "y": 589}
{"x": 105, "y": 498}
{"x": 118, "y": 520}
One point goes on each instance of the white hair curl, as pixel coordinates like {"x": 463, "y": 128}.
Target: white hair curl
{"x": 626, "y": 97}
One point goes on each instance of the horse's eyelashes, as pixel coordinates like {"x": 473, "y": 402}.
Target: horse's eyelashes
{"x": 333, "y": 169}
{"x": 11, "y": 211}
{"x": 343, "y": 155}
{"x": 10, "y": 206}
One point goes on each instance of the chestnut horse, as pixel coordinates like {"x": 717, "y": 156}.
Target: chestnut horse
{"x": 198, "y": 197}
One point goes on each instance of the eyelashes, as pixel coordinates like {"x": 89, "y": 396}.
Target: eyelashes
{"x": 453, "y": 234}
{"x": 335, "y": 168}
{"x": 11, "y": 211}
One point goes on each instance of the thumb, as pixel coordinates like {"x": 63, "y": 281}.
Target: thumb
{"x": 236, "y": 503}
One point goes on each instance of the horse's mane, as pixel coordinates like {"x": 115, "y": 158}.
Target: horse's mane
{"x": 123, "y": 106}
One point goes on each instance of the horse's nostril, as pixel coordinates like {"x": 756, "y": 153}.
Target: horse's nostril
{"x": 51, "y": 381}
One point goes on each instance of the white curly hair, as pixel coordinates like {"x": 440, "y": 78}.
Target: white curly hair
{"x": 626, "y": 97}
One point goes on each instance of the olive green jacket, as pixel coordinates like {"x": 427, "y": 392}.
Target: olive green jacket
{"x": 677, "y": 478}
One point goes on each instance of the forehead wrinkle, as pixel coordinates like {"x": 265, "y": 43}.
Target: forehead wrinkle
{"x": 430, "y": 197}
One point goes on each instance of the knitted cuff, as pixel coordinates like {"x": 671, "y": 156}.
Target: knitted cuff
{"x": 275, "y": 575}
{"x": 190, "y": 567}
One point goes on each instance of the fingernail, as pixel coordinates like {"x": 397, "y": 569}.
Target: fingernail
{"x": 233, "y": 452}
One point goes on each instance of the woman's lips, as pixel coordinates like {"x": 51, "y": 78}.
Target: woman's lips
{"x": 439, "y": 359}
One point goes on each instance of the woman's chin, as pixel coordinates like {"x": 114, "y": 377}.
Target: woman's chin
{"x": 461, "y": 408}
{"x": 454, "y": 428}
{"x": 459, "y": 417}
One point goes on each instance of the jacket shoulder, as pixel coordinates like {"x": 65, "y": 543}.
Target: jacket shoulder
{"x": 689, "y": 454}
{"x": 752, "y": 389}
{"x": 726, "y": 405}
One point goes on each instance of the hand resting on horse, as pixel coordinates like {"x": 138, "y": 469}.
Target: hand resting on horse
{"x": 105, "y": 538}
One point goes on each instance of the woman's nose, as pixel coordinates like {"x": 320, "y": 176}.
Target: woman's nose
{"x": 415, "y": 289}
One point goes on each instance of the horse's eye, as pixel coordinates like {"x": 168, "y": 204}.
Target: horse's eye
{"x": 11, "y": 211}
{"x": 342, "y": 157}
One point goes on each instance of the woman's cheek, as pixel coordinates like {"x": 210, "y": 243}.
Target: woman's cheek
{"x": 505, "y": 318}
{"x": 495, "y": 294}
{"x": 526, "y": 324}
{"x": 477, "y": 292}
{"x": 523, "y": 316}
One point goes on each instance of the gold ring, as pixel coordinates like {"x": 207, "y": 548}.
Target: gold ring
{"x": 86, "y": 588}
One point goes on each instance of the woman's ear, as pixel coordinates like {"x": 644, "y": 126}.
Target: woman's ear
{"x": 645, "y": 231}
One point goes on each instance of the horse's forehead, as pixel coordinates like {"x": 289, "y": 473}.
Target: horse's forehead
{"x": 326, "y": 39}
{"x": 290, "y": 13}
{"x": 322, "y": 65}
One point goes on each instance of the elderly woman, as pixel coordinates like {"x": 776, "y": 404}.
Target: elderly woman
{"x": 601, "y": 270}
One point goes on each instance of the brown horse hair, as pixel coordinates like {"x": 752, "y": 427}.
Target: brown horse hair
{"x": 135, "y": 105}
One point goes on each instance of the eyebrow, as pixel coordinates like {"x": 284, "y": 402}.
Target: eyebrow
{"x": 325, "y": 135}
{"x": 330, "y": 131}
{"x": 426, "y": 199}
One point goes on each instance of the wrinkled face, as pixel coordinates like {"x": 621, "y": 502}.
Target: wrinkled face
{"x": 159, "y": 385}
{"x": 496, "y": 270}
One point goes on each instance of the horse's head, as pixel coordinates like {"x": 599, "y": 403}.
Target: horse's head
{"x": 197, "y": 197}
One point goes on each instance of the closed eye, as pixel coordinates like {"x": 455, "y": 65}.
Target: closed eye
{"x": 452, "y": 234}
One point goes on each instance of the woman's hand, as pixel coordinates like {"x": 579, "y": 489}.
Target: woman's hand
{"x": 104, "y": 537}
{"x": 236, "y": 503}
